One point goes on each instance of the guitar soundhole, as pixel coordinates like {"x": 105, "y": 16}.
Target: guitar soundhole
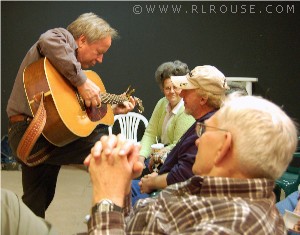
{"x": 95, "y": 114}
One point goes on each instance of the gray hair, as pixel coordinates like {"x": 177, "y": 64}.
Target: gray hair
{"x": 92, "y": 27}
{"x": 213, "y": 100}
{"x": 168, "y": 69}
{"x": 264, "y": 137}
{"x": 236, "y": 86}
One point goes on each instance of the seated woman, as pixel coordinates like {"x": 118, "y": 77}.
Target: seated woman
{"x": 168, "y": 121}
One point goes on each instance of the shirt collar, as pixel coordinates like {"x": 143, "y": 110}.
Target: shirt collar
{"x": 176, "y": 108}
{"x": 231, "y": 187}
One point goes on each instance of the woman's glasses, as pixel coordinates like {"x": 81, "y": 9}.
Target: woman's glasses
{"x": 169, "y": 88}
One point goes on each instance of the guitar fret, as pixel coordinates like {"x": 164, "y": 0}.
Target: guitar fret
{"x": 108, "y": 98}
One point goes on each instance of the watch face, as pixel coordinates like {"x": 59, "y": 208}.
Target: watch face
{"x": 105, "y": 205}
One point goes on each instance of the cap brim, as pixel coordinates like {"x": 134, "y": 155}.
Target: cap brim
{"x": 182, "y": 82}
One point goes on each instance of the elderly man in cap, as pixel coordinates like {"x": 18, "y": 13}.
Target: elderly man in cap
{"x": 203, "y": 91}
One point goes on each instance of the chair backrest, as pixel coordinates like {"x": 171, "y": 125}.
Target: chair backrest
{"x": 129, "y": 124}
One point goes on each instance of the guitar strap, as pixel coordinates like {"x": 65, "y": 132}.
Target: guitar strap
{"x": 31, "y": 135}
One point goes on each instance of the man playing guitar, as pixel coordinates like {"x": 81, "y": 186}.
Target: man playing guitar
{"x": 70, "y": 50}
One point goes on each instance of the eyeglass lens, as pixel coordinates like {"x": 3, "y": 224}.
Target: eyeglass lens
{"x": 168, "y": 89}
{"x": 200, "y": 129}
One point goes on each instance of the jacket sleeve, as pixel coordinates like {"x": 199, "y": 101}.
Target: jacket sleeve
{"x": 17, "y": 218}
{"x": 153, "y": 129}
{"x": 59, "y": 46}
{"x": 182, "y": 170}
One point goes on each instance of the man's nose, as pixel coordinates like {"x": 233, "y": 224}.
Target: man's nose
{"x": 100, "y": 59}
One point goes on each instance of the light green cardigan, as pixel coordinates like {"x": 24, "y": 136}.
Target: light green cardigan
{"x": 176, "y": 128}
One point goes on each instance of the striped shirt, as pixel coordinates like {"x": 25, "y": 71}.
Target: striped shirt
{"x": 200, "y": 205}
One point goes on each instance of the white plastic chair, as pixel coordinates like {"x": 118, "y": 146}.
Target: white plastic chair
{"x": 129, "y": 124}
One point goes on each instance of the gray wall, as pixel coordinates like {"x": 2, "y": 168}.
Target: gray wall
{"x": 263, "y": 45}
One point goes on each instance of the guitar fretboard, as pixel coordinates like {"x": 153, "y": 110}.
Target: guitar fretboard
{"x": 108, "y": 98}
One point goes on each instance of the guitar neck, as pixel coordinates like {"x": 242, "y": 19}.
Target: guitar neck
{"x": 107, "y": 98}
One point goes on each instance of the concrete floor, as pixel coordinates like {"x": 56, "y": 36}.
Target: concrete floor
{"x": 72, "y": 201}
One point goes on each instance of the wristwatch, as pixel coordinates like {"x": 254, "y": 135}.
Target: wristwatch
{"x": 106, "y": 205}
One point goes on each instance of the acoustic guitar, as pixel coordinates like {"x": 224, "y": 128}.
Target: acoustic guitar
{"x": 67, "y": 118}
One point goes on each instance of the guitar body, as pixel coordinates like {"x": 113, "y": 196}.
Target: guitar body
{"x": 66, "y": 120}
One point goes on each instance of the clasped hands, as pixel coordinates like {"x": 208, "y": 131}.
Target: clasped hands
{"x": 113, "y": 163}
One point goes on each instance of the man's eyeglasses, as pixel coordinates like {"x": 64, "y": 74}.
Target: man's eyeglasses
{"x": 169, "y": 88}
{"x": 201, "y": 128}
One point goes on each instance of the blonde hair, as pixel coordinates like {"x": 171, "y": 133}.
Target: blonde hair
{"x": 92, "y": 27}
{"x": 264, "y": 137}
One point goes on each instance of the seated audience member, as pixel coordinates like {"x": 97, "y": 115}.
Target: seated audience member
{"x": 168, "y": 121}
{"x": 203, "y": 91}
{"x": 242, "y": 149}
{"x": 18, "y": 219}
{"x": 290, "y": 203}
{"x": 231, "y": 192}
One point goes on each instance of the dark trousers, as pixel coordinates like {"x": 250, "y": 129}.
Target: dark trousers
{"x": 39, "y": 182}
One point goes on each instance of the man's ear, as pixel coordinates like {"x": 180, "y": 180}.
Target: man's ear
{"x": 81, "y": 40}
{"x": 203, "y": 100}
{"x": 225, "y": 149}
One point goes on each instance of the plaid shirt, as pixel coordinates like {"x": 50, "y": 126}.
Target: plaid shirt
{"x": 200, "y": 205}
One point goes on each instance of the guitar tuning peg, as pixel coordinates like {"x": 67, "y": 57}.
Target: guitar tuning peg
{"x": 128, "y": 89}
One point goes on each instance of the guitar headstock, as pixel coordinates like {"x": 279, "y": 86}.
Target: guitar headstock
{"x": 129, "y": 91}
{"x": 138, "y": 101}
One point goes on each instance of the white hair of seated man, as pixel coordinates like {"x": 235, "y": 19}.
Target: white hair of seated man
{"x": 264, "y": 136}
